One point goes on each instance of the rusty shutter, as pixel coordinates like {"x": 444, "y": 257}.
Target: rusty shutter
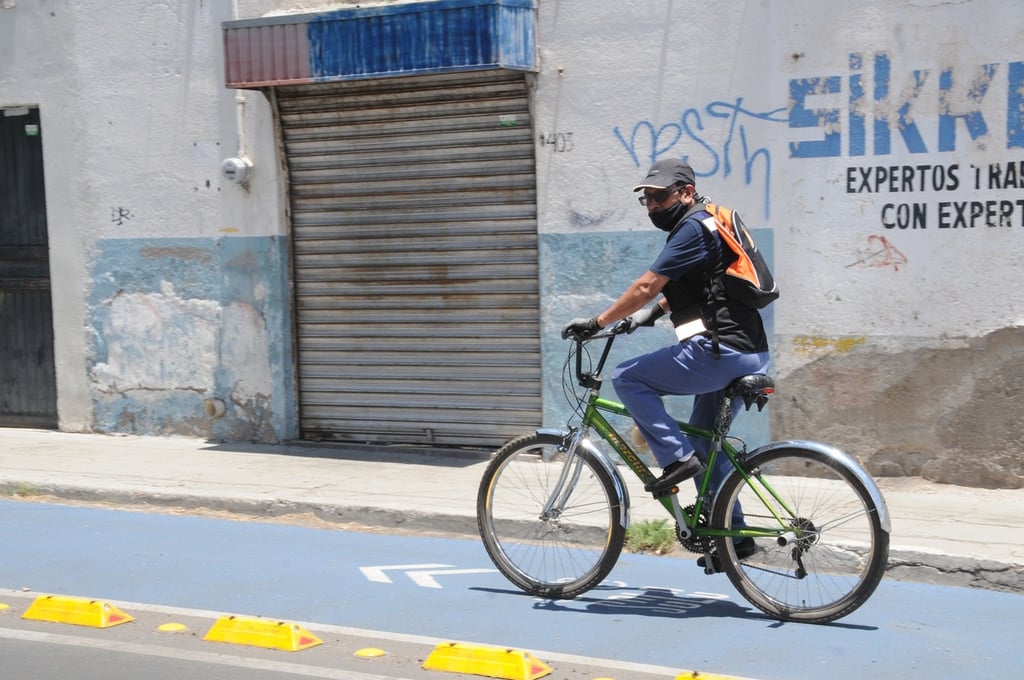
{"x": 414, "y": 231}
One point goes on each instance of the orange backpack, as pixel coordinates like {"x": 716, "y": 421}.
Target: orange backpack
{"x": 747, "y": 279}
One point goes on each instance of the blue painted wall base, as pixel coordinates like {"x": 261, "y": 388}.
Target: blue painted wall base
{"x": 179, "y": 328}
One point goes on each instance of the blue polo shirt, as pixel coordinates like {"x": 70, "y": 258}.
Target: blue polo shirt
{"x": 692, "y": 251}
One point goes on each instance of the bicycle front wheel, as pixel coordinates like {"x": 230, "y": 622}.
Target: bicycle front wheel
{"x": 830, "y": 550}
{"x": 552, "y": 524}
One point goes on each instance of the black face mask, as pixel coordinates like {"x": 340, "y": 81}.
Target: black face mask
{"x": 667, "y": 219}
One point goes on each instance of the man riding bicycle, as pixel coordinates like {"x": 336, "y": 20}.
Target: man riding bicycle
{"x": 697, "y": 365}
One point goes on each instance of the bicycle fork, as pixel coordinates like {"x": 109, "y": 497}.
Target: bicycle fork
{"x": 567, "y": 479}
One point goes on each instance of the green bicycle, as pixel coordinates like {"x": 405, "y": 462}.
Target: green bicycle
{"x": 553, "y": 508}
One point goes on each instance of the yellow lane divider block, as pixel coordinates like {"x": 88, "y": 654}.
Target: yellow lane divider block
{"x": 491, "y": 662}
{"x": 75, "y": 610}
{"x": 288, "y": 637}
{"x": 369, "y": 652}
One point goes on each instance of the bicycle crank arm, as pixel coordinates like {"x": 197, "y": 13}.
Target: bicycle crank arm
{"x": 677, "y": 510}
{"x": 709, "y": 563}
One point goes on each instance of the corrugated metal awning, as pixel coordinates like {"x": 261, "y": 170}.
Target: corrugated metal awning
{"x": 371, "y": 42}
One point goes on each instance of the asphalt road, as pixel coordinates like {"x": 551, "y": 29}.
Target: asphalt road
{"x": 654, "y": 617}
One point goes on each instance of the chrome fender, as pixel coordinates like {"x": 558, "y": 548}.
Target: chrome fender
{"x": 621, "y": 492}
{"x": 844, "y": 459}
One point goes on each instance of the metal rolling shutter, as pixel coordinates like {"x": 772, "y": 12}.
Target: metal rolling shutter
{"x": 415, "y": 256}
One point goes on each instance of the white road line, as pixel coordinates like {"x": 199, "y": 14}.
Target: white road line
{"x": 427, "y": 580}
{"x": 545, "y": 655}
{"x": 191, "y": 655}
{"x": 377, "y": 575}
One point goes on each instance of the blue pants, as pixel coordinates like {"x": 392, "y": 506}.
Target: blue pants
{"x": 686, "y": 368}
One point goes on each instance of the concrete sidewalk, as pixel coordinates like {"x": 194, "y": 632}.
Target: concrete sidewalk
{"x": 941, "y": 533}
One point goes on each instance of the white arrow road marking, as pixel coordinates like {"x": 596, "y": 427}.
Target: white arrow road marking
{"x": 426, "y": 578}
{"x": 377, "y": 575}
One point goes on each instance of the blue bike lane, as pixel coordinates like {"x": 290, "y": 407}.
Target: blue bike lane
{"x": 652, "y": 610}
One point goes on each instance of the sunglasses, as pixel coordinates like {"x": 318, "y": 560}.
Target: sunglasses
{"x": 657, "y": 196}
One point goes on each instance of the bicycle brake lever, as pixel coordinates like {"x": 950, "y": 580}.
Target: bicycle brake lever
{"x": 620, "y": 326}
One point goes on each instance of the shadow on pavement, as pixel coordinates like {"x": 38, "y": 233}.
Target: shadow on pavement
{"x": 659, "y": 602}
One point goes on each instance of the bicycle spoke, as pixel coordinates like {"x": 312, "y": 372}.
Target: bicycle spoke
{"x": 833, "y": 551}
{"x": 549, "y": 546}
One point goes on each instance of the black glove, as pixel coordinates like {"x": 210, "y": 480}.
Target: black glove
{"x": 645, "y": 317}
{"x": 583, "y": 328}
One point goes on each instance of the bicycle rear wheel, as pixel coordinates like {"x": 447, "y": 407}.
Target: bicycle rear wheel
{"x": 836, "y": 551}
{"x": 558, "y": 552}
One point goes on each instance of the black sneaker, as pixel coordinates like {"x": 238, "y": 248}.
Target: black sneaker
{"x": 745, "y": 547}
{"x": 673, "y": 474}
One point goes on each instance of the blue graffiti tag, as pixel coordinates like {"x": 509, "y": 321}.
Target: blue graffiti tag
{"x": 648, "y": 142}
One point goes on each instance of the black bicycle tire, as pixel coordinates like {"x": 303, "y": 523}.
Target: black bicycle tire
{"x": 518, "y": 574}
{"x": 872, "y": 573}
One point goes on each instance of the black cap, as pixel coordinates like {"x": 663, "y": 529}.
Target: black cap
{"x": 667, "y": 172}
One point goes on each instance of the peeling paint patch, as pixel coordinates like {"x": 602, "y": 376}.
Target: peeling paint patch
{"x": 175, "y": 322}
{"x": 244, "y": 352}
{"x": 157, "y": 342}
{"x": 806, "y": 344}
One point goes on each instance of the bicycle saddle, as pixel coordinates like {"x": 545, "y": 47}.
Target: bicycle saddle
{"x": 754, "y": 388}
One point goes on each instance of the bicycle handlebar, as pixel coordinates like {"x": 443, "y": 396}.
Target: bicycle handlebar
{"x": 590, "y": 379}
{"x": 616, "y": 328}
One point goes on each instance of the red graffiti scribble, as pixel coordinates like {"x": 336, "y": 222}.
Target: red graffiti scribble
{"x": 881, "y": 253}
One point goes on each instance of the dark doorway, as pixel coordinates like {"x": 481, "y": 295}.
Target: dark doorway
{"x": 28, "y": 389}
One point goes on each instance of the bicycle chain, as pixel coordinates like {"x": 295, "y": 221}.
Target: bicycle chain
{"x": 692, "y": 543}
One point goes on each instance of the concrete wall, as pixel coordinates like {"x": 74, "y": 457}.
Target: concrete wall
{"x": 169, "y": 283}
{"x": 877, "y": 149}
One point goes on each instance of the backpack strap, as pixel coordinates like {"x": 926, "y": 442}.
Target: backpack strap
{"x": 715, "y": 284}
{"x": 715, "y": 287}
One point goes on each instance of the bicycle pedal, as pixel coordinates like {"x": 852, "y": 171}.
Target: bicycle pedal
{"x": 710, "y": 564}
{"x": 665, "y": 493}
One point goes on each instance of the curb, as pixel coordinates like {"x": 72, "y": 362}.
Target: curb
{"x": 904, "y": 564}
